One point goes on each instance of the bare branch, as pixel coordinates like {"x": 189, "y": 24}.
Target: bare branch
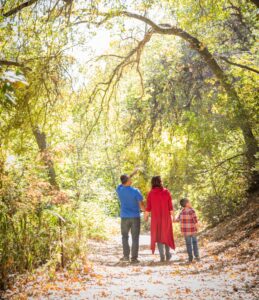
{"x": 109, "y": 55}
{"x": 18, "y": 8}
{"x": 10, "y": 63}
{"x": 256, "y": 2}
{"x": 107, "y": 88}
{"x": 219, "y": 164}
{"x": 239, "y": 65}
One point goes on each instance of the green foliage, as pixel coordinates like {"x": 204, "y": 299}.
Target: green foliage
{"x": 163, "y": 110}
{"x": 35, "y": 231}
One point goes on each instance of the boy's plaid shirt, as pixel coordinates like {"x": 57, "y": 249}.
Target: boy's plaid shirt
{"x": 188, "y": 221}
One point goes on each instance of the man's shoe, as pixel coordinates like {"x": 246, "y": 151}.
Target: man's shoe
{"x": 197, "y": 258}
{"x": 124, "y": 259}
{"x": 135, "y": 261}
{"x": 168, "y": 257}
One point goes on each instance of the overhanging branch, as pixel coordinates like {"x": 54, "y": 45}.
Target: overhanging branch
{"x": 10, "y": 63}
{"x": 106, "y": 89}
{"x": 239, "y": 65}
{"x": 219, "y": 164}
{"x": 18, "y": 8}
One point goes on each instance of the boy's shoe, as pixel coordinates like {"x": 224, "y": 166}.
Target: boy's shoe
{"x": 162, "y": 259}
{"x": 197, "y": 258}
{"x": 135, "y": 261}
{"x": 124, "y": 259}
{"x": 169, "y": 257}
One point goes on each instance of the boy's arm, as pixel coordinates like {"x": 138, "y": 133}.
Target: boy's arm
{"x": 195, "y": 219}
{"x": 172, "y": 215}
{"x": 177, "y": 219}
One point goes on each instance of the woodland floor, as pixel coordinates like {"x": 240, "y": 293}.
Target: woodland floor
{"x": 226, "y": 271}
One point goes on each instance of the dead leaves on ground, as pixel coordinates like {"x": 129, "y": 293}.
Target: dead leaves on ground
{"x": 171, "y": 280}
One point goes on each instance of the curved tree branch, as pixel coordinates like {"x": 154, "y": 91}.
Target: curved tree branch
{"x": 18, "y": 8}
{"x": 256, "y": 2}
{"x": 10, "y": 63}
{"x": 103, "y": 88}
{"x": 239, "y": 65}
{"x": 240, "y": 114}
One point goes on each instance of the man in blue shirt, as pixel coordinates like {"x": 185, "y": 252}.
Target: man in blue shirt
{"x": 131, "y": 202}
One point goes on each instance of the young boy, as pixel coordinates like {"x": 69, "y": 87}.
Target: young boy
{"x": 189, "y": 227}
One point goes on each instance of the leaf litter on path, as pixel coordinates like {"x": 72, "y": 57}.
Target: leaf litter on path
{"x": 221, "y": 276}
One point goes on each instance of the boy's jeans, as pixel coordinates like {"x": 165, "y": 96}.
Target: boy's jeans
{"x": 133, "y": 225}
{"x": 164, "y": 250}
{"x": 192, "y": 246}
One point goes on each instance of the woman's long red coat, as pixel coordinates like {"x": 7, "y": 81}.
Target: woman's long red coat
{"x": 159, "y": 204}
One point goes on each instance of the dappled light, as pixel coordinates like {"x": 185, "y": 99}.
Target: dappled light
{"x": 128, "y": 119}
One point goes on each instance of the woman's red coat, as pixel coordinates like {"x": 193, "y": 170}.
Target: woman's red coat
{"x": 159, "y": 203}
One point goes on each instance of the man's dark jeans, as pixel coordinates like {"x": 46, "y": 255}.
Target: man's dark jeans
{"x": 192, "y": 246}
{"x": 133, "y": 225}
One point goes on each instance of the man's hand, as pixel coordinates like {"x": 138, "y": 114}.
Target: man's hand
{"x": 134, "y": 172}
{"x": 142, "y": 206}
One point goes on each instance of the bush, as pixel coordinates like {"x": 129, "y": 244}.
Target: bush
{"x": 34, "y": 231}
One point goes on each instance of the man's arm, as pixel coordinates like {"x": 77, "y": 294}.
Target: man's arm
{"x": 142, "y": 206}
{"x": 134, "y": 172}
{"x": 195, "y": 220}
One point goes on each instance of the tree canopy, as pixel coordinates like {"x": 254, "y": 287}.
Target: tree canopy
{"x": 92, "y": 89}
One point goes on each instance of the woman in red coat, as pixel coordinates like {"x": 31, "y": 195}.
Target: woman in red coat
{"x": 159, "y": 204}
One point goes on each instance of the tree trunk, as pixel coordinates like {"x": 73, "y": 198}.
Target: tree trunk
{"x": 42, "y": 144}
{"x": 241, "y": 116}
{"x": 256, "y": 2}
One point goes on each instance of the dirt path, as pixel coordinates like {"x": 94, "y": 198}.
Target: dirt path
{"x": 215, "y": 277}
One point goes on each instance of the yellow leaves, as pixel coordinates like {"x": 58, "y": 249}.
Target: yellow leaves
{"x": 140, "y": 292}
{"x": 22, "y": 296}
{"x": 17, "y": 80}
{"x": 19, "y": 84}
{"x": 233, "y": 276}
{"x": 49, "y": 286}
{"x": 136, "y": 270}
{"x": 183, "y": 291}
{"x": 87, "y": 269}
{"x": 175, "y": 273}
{"x": 97, "y": 276}
{"x": 68, "y": 289}
{"x": 216, "y": 258}
{"x": 104, "y": 294}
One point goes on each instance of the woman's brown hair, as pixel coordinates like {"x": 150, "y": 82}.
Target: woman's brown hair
{"x": 156, "y": 181}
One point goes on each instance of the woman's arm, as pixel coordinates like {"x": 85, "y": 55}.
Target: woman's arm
{"x": 142, "y": 206}
{"x": 146, "y": 216}
{"x": 172, "y": 215}
{"x": 148, "y": 208}
{"x": 170, "y": 205}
